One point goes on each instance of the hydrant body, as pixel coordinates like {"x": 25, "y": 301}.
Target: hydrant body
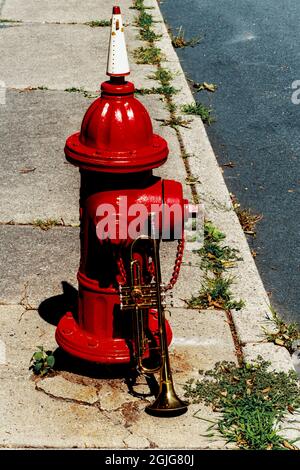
{"x": 116, "y": 152}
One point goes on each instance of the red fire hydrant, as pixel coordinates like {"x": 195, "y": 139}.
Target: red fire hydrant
{"x": 120, "y": 201}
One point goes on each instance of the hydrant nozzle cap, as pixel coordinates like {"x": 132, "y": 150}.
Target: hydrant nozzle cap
{"x": 117, "y": 62}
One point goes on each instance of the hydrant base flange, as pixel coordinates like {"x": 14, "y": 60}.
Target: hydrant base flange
{"x": 84, "y": 345}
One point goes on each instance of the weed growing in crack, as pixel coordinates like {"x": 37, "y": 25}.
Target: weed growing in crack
{"x": 252, "y": 400}
{"x": 165, "y": 90}
{"x": 247, "y": 219}
{"x": 7, "y": 20}
{"x": 178, "y": 40}
{"x": 149, "y": 35}
{"x": 198, "y": 109}
{"x": 148, "y": 55}
{"x": 216, "y": 259}
{"x": 215, "y": 293}
{"x": 85, "y": 93}
{"x": 164, "y": 76}
{"x": 98, "y": 23}
{"x": 286, "y": 335}
{"x": 144, "y": 20}
{"x": 48, "y": 223}
{"x": 42, "y": 362}
{"x": 139, "y": 5}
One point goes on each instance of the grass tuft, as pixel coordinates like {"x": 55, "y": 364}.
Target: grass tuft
{"x": 98, "y": 23}
{"x": 165, "y": 90}
{"x": 7, "y": 20}
{"x": 215, "y": 257}
{"x": 139, "y": 5}
{"x": 144, "y": 20}
{"x": 149, "y": 35}
{"x": 215, "y": 293}
{"x": 48, "y": 223}
{"x": 85, "y": 93}
{"x": 164, "y": 76}
{"x": 148, "y": 55}
{"x": 252, "y": 400}
{"x": 198, "y": 109}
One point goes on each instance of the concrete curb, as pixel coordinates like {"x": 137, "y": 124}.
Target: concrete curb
{"x": 212, "y": 190}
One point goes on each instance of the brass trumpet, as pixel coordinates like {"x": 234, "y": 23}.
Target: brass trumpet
{"x": 139, "y": 298}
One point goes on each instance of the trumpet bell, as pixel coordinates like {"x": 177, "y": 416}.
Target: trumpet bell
{"x": 167, "y": 403}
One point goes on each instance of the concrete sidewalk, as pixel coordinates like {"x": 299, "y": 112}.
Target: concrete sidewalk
{"x": 81, "y": 407}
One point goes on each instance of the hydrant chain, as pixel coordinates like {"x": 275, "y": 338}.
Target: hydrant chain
{"x": 177, "y": 266}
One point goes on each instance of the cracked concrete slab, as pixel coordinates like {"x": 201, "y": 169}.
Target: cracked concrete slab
{"x": 75, "y": 409}
{"x": 67, "y": 11}
{"x": 51, "y": 422}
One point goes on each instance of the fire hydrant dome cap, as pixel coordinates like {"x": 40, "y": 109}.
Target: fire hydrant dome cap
{"x": 116, "y": 135}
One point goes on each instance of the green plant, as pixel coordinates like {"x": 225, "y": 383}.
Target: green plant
{"x": 97, "y": 23}
{"x": 139, "y": 5}
{"x": 215, "y": 293}
{"x": 147, "y": 34}
{"x": 198, "y": 109}
{"x": 47, "y": 224}
{"x": 7, "y": 20}
{"x": 179, "y": 41}
{"x": 212, "y": 234}
{"x": 165, "y": 90}
{"x": 214, "y": 256}
{"x": 42, "y": 362}
{"x": 144, "y": 20}
{"x": 84, "y": 92}
{"x": 148, "y": 55}
{"x": 252, "y": 400}
{"x": 164, "y": 76}
{"x": 286, "y": 334}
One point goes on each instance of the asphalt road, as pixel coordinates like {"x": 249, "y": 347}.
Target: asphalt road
{"x": 251, "y": 49}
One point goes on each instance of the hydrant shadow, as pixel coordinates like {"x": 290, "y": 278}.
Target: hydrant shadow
{"x": 53, "y": 309}
{"x": 64, "y": 362}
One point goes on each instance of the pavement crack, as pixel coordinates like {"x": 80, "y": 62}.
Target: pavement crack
{"x": 24, "y": 301}
{"x": 68, "y": 400}
{"x": 235, "y": 338}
